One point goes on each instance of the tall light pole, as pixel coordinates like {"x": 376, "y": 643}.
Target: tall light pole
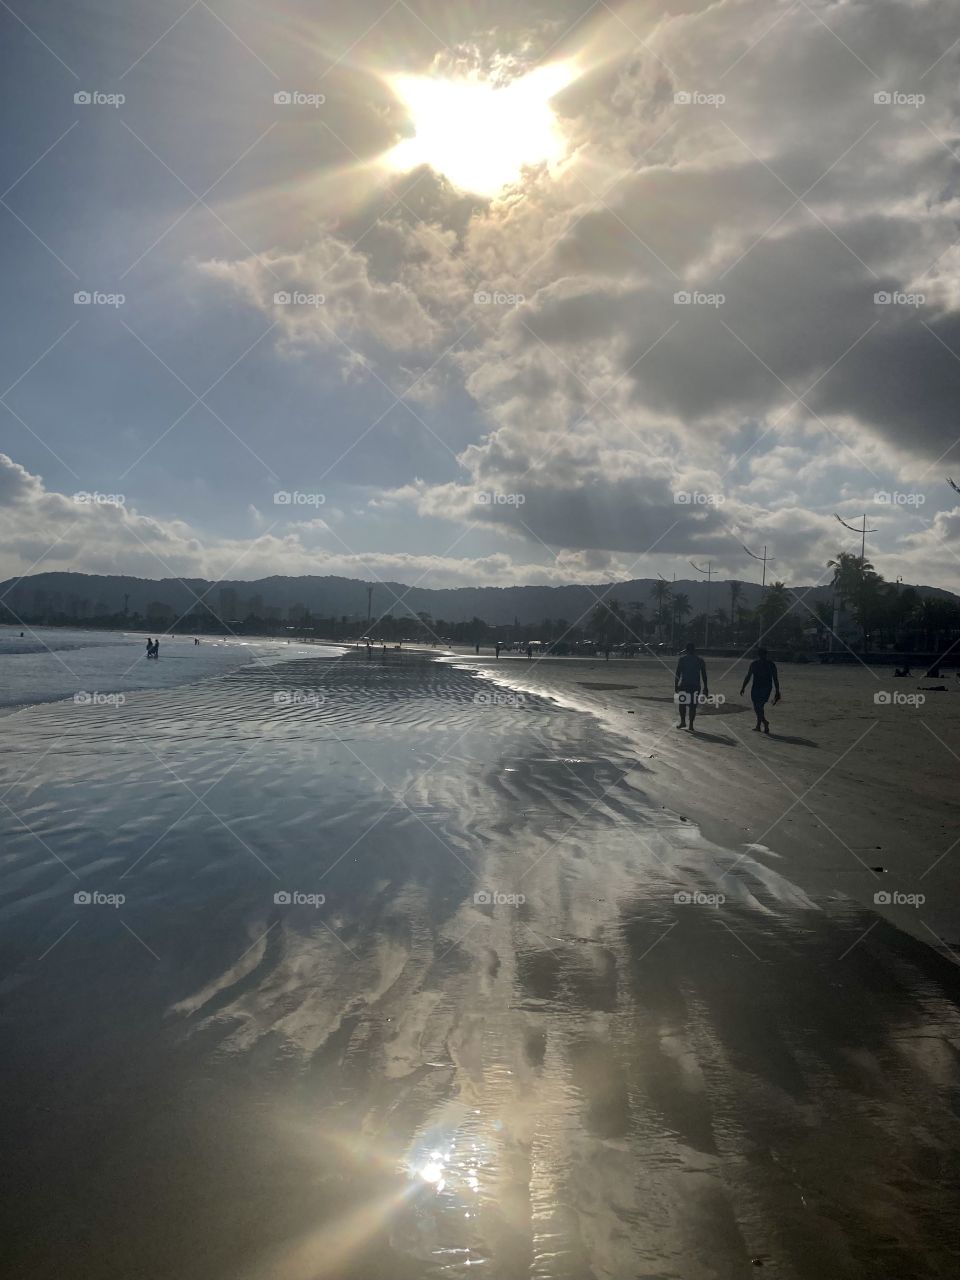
{"x": 706, "y": 623}
{"x": 863, "y": 536}
{"x": 765, "y": 560}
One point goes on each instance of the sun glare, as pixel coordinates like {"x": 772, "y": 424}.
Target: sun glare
{"x": 479, "y": 135}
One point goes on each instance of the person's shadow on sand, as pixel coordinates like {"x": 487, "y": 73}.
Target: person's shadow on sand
{"x": 700, "y": 736}
{"x": 796, "y": 742}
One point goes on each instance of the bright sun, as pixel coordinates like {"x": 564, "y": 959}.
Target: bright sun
{"x": 479, "y": 135}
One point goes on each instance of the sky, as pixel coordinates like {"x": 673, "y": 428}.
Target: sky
{"x": 479, "y": 293}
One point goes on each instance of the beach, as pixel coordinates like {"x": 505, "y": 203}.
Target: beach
{"x": 348, "y": 966}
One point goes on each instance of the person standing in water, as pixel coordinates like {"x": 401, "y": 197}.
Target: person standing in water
{"x": 689, "y": 679}
{"x": 763, "y": 673}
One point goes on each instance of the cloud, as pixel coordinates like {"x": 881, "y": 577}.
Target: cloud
{"x": 739, "y": 155}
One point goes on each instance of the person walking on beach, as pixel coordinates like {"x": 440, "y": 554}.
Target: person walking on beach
{"x": 689, "y": 679}
{"x": 763, "y": 673}
{"x": 149, "y": 646}
{"x": 498, "y": 650}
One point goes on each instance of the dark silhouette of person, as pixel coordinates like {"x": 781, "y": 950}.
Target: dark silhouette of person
{"x": 689, "y": 678}
{"x": 476, "y": 647}
{"x": 763, "y": 673}
{"x": 498, "y": 648}
{"x": 149, "y": 647}
{"x": 529, "y": 651}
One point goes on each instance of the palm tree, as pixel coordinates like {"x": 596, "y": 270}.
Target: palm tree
{"x": 853, "y": 581}
{"x": 777, "y": 603}
{"x": 681, "y": 607}
{"x": 661, "y": 592}
{"x": 606, "y": 619}
{"x": 635, "y": 620}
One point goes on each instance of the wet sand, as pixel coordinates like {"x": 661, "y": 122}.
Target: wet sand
{"x": 550, "y": 1020}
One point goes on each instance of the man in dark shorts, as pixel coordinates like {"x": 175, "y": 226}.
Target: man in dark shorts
{"x": 690, "y": 676}
{"x": 763, "y": 673}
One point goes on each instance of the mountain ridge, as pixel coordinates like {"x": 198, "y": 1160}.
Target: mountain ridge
{"x": 82, "y": 595}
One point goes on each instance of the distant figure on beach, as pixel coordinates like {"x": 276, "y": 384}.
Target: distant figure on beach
{"x": 476, "y": 647}
{"x": 149, "y": 646}
{"x": 690, "y": 677}
{"x": 902, "y": 671}
{"x": 763, "y": 673}
{"x": 529, "y": 651}
{"x": 498, "y": 649}
{"x": 196, "y": 641}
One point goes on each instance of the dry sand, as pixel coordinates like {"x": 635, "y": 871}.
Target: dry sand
{"x": 842, "y": 786}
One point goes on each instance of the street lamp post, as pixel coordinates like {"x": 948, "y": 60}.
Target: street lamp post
{"x": 764, "y": 559}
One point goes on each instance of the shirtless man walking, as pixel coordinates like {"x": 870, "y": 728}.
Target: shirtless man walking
{"x": 763, "y": 673}
{"x": 690, "y": 677}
